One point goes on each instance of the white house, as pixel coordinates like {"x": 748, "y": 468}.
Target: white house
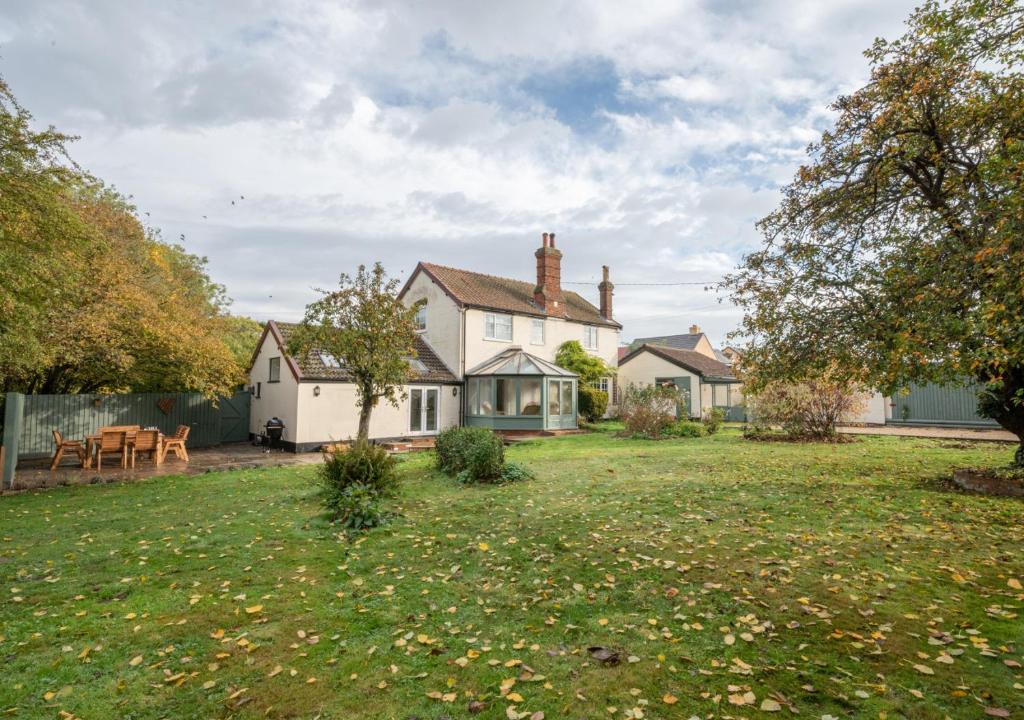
{"x": 485, "y": 356}
{"x": 690, "y": 365}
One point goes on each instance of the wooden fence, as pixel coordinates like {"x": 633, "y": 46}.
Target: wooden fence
{"x": 939, "y": 405}
{"x": 29, "y": 420}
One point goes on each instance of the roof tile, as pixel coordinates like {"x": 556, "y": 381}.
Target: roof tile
{"x": 497, "y": 293}
{"x": 313, "y": 367}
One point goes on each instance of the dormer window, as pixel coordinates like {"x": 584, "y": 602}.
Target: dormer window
{"x": 420, "y": 321}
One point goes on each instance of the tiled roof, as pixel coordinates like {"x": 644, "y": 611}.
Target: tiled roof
{"x": 686, "y": 341}
{"x": 515, "y": 296}
{"x": 688, "y": 359}
{"x": 312, "y": 366}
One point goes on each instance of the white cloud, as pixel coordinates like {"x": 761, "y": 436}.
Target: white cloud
{"x": 400, "y": 131}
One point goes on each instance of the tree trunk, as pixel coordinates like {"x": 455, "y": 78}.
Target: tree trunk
{"x": 1003, "y": 401}
{"x": 364, "y": 420}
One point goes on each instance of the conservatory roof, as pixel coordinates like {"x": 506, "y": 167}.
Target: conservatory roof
{"x": 515, "y": 361}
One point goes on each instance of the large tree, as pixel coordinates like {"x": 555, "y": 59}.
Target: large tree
{"x": 89, "y": 298}
{"x": 897, "y": 252}
{"x": 371, "y": 333}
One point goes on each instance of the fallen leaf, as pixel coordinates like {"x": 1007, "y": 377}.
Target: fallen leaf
{"x": 253, "y": 609}
{"x": 669, "y": 699}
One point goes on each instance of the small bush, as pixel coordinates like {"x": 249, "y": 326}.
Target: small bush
{"x": 593, "y": 403}
{"x": 471, "y": 454}
{"x": 712, "y": 418}
{"x": 648, "y": 410}
{"x": 805, "y": 410}
{"x": 349, "y": 479}
{"x": 357, "y": 507}
{"x": 514, "y": 472}
{"x": 686, "y": 428}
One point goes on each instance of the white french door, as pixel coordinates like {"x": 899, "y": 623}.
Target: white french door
{"x": 424, "y": 408}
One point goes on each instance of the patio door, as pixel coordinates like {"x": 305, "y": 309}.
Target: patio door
{"x": 423, "y": 410}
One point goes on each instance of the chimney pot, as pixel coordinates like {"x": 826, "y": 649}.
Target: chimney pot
{"x": 605, "y": 290}
{"x": 548, "y": 292}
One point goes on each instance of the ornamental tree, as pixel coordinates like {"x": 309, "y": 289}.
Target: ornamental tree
{"x": 897, "y": 252}
{"x": 371, "y": 333}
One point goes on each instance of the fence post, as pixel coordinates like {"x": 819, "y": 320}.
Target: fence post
{"x": 14, "y": 413}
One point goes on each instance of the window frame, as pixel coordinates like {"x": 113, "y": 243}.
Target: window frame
{"x": 590, "y": 330}
{"x": 420, "y": 319}
{"x": 271, "y": 366}
{"x": 490, "y": 318}
{"x": 534, "y": 324}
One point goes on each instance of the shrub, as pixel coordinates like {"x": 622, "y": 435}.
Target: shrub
{"x": 686, "y": 428}
{"x": 593, "y": 403}
{"x": 808, "y": 409}
{"x": 649, "y": 409}
{"x": 350, "y": 478}
{"x": 357, "y": 507}
{"x": 514, "y": 472}
{"x": 471, "y": 454}
{"x": 712, "y": 418}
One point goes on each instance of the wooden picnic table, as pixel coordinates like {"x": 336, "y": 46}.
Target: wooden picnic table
{"x": 93, "y": 441}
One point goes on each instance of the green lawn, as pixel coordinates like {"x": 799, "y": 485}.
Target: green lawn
{"x": 846, "y": 580}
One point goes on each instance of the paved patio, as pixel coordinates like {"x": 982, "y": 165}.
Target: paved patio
{"x": 34, "y": 474}
{"x": 928, "y": 431}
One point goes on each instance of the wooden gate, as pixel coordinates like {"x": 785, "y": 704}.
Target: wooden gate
{"x": 234, "y": 417}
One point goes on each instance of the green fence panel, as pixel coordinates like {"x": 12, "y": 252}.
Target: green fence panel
{"x": 939, "y": 405}
{"x": 79, "y": 415}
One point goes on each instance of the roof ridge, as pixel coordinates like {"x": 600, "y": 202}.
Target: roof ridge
{"x": 500, "y": 277}
{"x": 473, "y": 272}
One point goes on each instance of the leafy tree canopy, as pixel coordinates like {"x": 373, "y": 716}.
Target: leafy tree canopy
{"x": 369, "y": 330}
{"x": 896, "y": 254}
{"x": 89, "y": 299}
{"x": 590, "y": 368}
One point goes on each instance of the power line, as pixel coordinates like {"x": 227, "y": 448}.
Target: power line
{"x": 645, "y": 284}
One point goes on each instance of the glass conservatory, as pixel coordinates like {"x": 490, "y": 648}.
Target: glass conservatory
{"x": 518, "y": 391}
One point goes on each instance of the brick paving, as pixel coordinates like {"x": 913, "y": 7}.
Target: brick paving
{"x": 33, "y": 474}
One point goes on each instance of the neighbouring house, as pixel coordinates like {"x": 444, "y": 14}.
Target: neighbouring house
{"x": 706, "y": 381}
{"x": 485, "y": 356}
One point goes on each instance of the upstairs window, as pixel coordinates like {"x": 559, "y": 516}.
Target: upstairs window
{"x": 420, "y": 321}
{"x": 537, "y": 332}
{"x": 590, "y": 337}
{"x": 274, "y": 374}
{"x": 497, "y": 327}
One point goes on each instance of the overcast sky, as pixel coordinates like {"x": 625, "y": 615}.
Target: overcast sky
{"x": 649, "y": 136}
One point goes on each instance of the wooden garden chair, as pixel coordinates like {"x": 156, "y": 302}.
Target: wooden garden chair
{"x": 63, "y": 446}
{"x": 176, "y": 443}
{"x": 112, "y": 442}
{"x": 146, "y": 441}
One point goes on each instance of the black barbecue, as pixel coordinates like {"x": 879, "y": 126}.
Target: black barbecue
{"x": 274, "y": 430}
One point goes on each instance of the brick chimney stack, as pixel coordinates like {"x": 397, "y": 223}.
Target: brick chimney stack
{"x": 695, "y": 329}
{"x": 548, "y": 293}
{"x": 606, "y": 288}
